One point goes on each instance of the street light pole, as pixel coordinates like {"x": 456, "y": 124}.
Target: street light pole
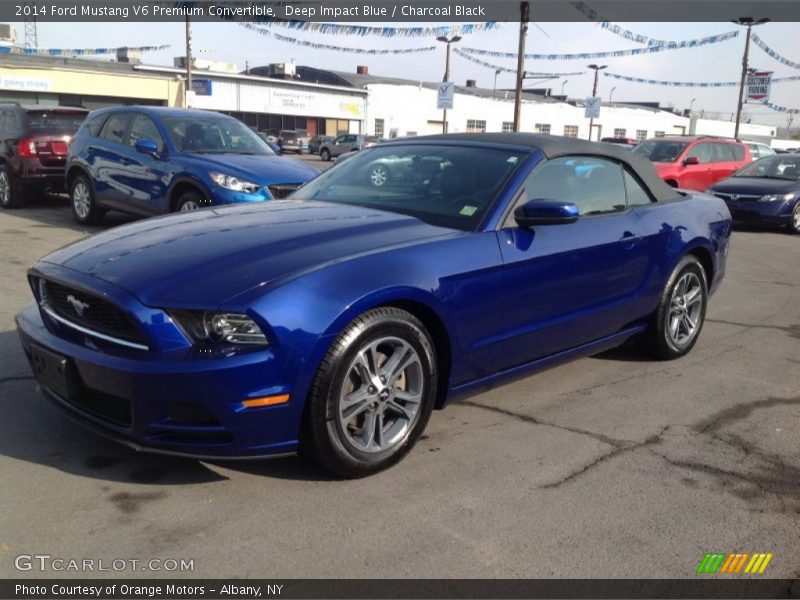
{"x": 494, "y": 90}
{"x": 611, "y": 94}
{"x": 188, "y": 63}
{"x": 524, "y": 18}
{"x": 563, "y": 83}
{"x": 748, "y": 22}
{"x": 447, "y": 41}
{"x": 597, "y": 69}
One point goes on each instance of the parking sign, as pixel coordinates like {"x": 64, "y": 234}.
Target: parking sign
{"x": 592, "y": 107}
{"x": 444, "y": 99}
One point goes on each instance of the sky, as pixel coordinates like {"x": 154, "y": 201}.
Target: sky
{"x": 230, "y": 42}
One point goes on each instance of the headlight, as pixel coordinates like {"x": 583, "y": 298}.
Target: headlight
{"x": 231, "y": 182}
{"x": 776, "y": 197}
{"x": 219, "y": 328}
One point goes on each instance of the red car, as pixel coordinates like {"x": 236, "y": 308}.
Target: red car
{"x": 694, "y": 163}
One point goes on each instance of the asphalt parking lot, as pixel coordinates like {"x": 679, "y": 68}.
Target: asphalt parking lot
{"x": 611, "y": 466}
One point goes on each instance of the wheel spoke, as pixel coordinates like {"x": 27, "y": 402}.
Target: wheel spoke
{"x": 394, "y": 364}
{"x": 674, "y": 324}
{"x": 692, "y": 296}
{"x": 402, "y": 410}
{"x": 368, "y": 435}
{"x": 405, "y": 396}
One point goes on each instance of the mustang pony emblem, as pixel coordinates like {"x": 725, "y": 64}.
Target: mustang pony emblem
{"x": 77, "y": 305}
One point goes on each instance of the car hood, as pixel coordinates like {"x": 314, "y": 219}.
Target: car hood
{"x": 200, "y": 259}
{"x": 264, "y": 170}
{"x": 755, "y": 185}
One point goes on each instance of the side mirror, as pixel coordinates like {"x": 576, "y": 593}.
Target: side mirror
{"x": 692, "y": 160}
{"x": 146, "y": 146}
{"x": 546, "y": 212}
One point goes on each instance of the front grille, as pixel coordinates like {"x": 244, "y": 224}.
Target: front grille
{"x": 737, "y": 197}
{"x": 89, "y": 311}
{"x": 106, "y": 406}
{"x": 281, "y": 190}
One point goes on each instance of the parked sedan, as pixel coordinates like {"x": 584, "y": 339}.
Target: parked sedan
{"x": 337, "y": 320}
{"x": 765, "y": 193}
{"x": 148, "y": 161}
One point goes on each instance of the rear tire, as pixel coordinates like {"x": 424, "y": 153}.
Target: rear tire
{"x": 325, "y": 154}
{"x": 84, "y": 208}
{"x": 9, "y": 194}
{"x": 372, "y": 395}
{"x": 681, "y": 312}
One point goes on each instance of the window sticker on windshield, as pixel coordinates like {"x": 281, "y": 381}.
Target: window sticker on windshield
{"x": 468, "y": 210}
{"x": 513, "y": 159}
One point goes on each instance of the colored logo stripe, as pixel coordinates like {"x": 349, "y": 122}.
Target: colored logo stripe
{"x": 721, "y": 562}
{"x": 711, "y": 562}
{"x": 735, "y": 562}
{"x": 758, "y": 563}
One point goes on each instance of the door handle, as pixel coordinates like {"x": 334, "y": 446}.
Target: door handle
{"x": 629, "y": 239}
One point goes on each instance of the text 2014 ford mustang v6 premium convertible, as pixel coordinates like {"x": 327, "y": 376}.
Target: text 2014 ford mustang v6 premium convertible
{"x": 335, "y": 321}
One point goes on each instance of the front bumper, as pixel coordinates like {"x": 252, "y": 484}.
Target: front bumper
{"x": 174, "y": 402}
{"x": 770, "y": 214}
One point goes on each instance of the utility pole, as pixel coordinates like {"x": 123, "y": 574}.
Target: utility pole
{"x": 597, "y": 69}
{"x": 444, "y": 40}
{"x": 494, "y": 90}
{"x": 524, "y": 18}
{"x": 748, "y": 22}
{"x": 188, "y": 63}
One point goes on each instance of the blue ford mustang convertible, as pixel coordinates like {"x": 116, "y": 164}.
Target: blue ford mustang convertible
{"x": 334, "y": 322}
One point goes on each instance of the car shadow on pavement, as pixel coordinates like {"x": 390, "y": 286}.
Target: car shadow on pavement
{"x": 32, "y": 429}
{"x": 628, "y": 352}
{"x": 53, "y": 210}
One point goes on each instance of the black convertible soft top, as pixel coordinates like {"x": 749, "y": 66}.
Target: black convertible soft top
{"x": 553, "y": 146}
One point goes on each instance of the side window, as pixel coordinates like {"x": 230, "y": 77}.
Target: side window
{"x": 594, "y": 184}
{"x": 12, "y": 124}
{"x": 114, "y": 128}
{"x": 143, "y": 128}
{"x": 723, "y": 153}
{"x": 339, "y": 140}
{"x": 635, "y": 192}
{"x": 94, "y": 124}
{"x": 350, "y": 139}
{"x": 702, "y": 152}
{"x": 738, "y": 151}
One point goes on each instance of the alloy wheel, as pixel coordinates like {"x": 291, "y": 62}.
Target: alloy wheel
{"x": 378, "y": 176}
{"x": 81, "y": 200}
{"x": 189, "y": 206}
{"x": 686, "y": 310}
{"x": 381, "y": 395}
{"x": 5, "y": 188}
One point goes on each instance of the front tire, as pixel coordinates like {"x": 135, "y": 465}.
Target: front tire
{"x": 191, "y": 200}
{"x": 84, "y": 208}
{"x": 372, "y": 395}
{"x": 325, "y": 154}
{"x": 681, "y": 312}
{"x": 794, "y": 224}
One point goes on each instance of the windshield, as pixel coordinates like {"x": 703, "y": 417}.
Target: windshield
{"x": 773, "y": 167}
{"x": 55, "y": 121}
{"x": 447, "y": 186}
{"x": 660, "y": 150}
{"x": 214, "y": 135}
